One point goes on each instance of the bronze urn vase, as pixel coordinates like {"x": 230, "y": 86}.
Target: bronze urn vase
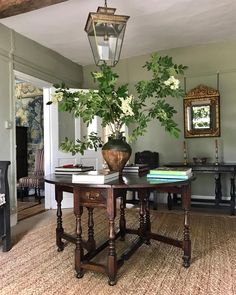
{"x": 116, "y": 152}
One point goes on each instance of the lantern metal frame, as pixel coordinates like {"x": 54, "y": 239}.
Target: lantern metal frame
{"x": 106, "y": 32}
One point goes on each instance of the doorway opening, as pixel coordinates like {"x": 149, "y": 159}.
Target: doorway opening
{"x": 29, "y": 130}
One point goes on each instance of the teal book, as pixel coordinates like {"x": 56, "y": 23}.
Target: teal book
{"x": 163, "y": 180}
{"x": 168, "y": 176}
{"x": 171, "y": 171}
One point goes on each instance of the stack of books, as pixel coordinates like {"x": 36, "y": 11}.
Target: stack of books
{"x": 169, "y": 174}
{"x": 98, "y": 177}
{"x": 136, "y": 168}
{"x": 70, "y": 169}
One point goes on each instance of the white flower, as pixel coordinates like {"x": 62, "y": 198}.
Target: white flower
{"x": 126, "y": 105}
{"x": 172, "y": 82}
{"x": 57, "y": 96}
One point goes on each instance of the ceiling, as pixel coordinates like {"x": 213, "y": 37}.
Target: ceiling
{"x": 153, "y": 25}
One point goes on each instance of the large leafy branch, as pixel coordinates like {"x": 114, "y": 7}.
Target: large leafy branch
{"x": 152, "y": 94}
{"x": 149, "y": 104}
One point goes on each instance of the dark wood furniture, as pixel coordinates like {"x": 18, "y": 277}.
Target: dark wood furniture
{"x": 216, "y": 170}
{"x": 36, "y": 180}
{"x": 152, "y": 159}
{"x": 5, "y": 228}
{"x": 104, "y": 195}
{"x": 21, "y": 152}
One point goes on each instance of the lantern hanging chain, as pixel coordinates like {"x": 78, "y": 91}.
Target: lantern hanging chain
{"x": 106, "y": 3}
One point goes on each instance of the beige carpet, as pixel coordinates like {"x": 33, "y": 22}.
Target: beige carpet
{"x": 34, "y": 266}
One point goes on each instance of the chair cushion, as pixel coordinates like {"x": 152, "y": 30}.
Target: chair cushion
{"x": 32, "y": 181}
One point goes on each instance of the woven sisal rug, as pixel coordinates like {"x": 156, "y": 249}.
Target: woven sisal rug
{"x": 34, "y": 266}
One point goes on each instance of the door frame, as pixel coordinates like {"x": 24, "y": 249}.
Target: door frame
{"x": 40, "y": 84}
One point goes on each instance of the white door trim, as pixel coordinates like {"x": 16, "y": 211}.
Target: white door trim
{"x": 47, "y": 127}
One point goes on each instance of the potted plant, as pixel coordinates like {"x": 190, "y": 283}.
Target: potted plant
{"x": 117, "y": 107}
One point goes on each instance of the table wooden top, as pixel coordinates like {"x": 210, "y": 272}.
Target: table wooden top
{"x": 125, "y": 181}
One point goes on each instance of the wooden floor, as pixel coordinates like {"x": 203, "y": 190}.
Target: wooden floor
{"x": 29, "y": 207}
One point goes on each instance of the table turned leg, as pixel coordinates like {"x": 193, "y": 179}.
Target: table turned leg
{"x": 79, "y": 253}
{"x": 232, "y": 194}
{"x": 122, "y": 221}
{"x": 91, "y": 241}
{"x": 186, "y": 200}
{"x": 147, "y": 220}
{"x": 187, "y": 241}
{"x": 169, "y": 201}
{"x": 112, "y": 259}
{"x": 59, "y": 229}
{"x": 142, "y": 211}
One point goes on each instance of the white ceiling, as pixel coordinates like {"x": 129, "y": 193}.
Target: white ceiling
{"x": 153, "y": 25}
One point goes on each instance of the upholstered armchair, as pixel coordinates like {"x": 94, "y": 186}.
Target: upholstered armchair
{"x": 36, "y": 180}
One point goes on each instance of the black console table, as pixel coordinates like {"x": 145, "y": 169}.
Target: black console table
{"x": 217, "y": 170}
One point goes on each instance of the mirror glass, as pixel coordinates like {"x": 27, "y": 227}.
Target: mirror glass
{"x": 202, "y": 112}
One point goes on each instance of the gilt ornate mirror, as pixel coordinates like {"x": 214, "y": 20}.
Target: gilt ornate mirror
{"x": 202, "y": 112}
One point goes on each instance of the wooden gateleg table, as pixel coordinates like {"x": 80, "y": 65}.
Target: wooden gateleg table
{"x": 91, "y": 196}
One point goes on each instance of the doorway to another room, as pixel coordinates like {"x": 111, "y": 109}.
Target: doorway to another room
{"x": 29, "y": 122}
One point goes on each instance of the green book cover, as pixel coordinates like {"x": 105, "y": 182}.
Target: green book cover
{"x": 168, "y": 176}
{"x": 171, "y": 171}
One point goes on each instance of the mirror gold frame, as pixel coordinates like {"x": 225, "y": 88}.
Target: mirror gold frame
{"x": 202, "y": 112}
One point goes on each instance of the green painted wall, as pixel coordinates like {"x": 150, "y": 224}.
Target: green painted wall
{"x": 22, "y": 54}
{"x": 204, "y": 62}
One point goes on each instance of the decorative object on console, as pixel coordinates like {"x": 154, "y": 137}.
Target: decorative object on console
{"x": 199, "y": 160}
{"x": 117, "y": 108}
{"x": 202, "y": 112}
{"x": 106, "y": 32}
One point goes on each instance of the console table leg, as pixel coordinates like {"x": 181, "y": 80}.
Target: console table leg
{"x": 187, "y": 241}
{"x": 155, "y": 200}
{"x": 186, "y": 203}
{"x": 141, "y": 196}
{"x": 233, "y": 195}
{"x": 91, "y": 241}
{"x": 59, "y": 229}
{"x": 79, "y": 253}
{"x": 122, "y": 222}
{"x": 169, "y": 201}
{"x": 147, "y": 219}
{"x": 112, "y": 262}
{"x": 218, "y": 192}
